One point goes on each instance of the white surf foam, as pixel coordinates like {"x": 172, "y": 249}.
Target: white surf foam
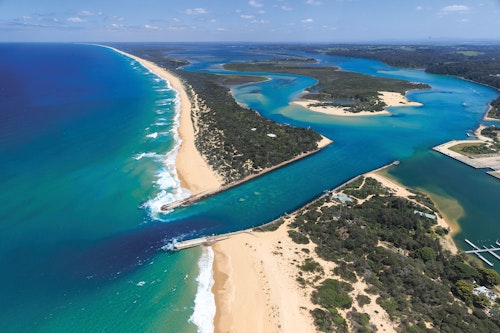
{"x": 167, "y": 183}
{"x": 204, "y": 303}
{"x": 155, "y": 156}
{"x": 153, "y": 135}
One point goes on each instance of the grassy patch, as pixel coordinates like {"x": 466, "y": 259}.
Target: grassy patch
{"x": 469, "y": 149}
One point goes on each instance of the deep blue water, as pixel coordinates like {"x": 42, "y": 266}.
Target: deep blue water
{"x": 84, "y": 133}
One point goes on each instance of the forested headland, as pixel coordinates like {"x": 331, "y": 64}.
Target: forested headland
{"x": 236, "y": 141}
{"x": 392, "y": 244}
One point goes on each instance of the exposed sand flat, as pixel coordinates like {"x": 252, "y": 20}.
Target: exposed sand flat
{"x": 193, "y": 170}
{"x": 391, "y": 99}
{"x": 255, "y": 284}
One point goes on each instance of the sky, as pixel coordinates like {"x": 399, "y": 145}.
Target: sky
{"x": 249, "y": 20}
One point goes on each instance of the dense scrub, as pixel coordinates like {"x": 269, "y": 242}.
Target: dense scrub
{"x": 398, "y": 254}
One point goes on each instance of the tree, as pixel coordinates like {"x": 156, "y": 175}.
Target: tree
{"x": 426, "y": 254}
{"x": 463, "y": 289}
{"x": 489, "y": 277}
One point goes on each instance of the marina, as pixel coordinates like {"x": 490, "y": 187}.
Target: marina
{"x": 491, "y": 250}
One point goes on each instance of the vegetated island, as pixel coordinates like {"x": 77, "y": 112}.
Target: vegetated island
{"x": 480, "y": 153}
{"x": 369, "y": 257}
{"x": 340, "y": 93}
{"x": 236, "y": 142}
{"x": 478, "y": 63}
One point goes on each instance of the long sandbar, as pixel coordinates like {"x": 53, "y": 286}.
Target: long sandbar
{"x": 193, "y": 170}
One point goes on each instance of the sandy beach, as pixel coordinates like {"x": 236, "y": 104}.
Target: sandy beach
{"x": 391, "y": 99}
{"x": 193, "y": 170}
{"x": 255, "y": 280}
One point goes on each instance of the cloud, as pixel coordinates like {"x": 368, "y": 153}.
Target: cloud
{"x": 76, "y": 20}
{"x": 247, "y": 17}
{"x": 259, "y": 22}
{"x": 88, "y": 13}
{"x": 455, "y": 8}
{"x": 313, "y": 2}
{"x": 151, "y": 27}
{"x": 286, "y": 8}
{"x": 195, "y": 11}
{"x": 254, "y": 3}
{"x": 309, "y": 20}
{"x": 114, "y": 18}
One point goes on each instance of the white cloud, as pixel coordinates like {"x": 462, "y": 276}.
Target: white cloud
{"x": 195, "y": 11}
{"x": 254, "y": 3}
{"x": 259, "y": 21}
{"x": 286, "y": 8}
{"x": 455, "y": 8}
{"x": 114, "y": 18}
{"x": 309, "y": 20}
{"x": 76, "y": 20}
{"x": 86, "y": 13}
{"x": 313, "y": 2}
{"x": 151, "y": 27}
{"x": 221, "y": 29}
{"x": 212, "y": 21}
{"x": 247, "y": 17}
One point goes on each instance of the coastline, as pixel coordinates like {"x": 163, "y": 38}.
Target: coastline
{"x": 259, "y": 270}
{"x": 194, "y": 173}
{"x": 391, "y": 99}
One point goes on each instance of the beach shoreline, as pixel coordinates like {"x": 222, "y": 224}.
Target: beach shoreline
{"x": 193, "y": 171}
{"x": 259, "y": 269}
{"x": 391, "y": 99}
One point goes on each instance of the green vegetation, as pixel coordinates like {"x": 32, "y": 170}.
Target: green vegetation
{"x": 471, "y": 149}
{"x": 369, "y": 187}
{"x": 310, "y": 265}
{"x": 333, "y": 294}
{"x": 236, "y": 141}
{"x": 271, "y": 226}
{"x": 492, "y": 132}
{"x": 397, "y": 254}
{"x": 233, "y": 80}
{"x": 357, "y": 92}
{"x": 479, "y": 63}
{"x": 297, "y": 237}
{"x": 495, "y": 109}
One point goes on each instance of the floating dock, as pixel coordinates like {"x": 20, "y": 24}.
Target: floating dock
{"x": 491, "y": 250}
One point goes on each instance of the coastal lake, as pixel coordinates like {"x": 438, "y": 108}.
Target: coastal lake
{"x": 87, "y": 141}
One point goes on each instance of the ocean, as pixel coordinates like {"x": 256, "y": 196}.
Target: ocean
{"x": 87, "y": 146}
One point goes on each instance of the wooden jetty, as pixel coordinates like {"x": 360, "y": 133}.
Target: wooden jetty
{"x": 491, "y": 250}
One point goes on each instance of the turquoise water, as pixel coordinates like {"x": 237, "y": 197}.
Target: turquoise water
{"x": 85, "y": 133}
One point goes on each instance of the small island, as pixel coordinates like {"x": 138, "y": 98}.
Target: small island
{"x": 341, "y": 93}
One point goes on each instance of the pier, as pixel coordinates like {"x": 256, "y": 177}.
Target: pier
{"x": 205, "y": 241}
{"x": 491, "y": 250}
